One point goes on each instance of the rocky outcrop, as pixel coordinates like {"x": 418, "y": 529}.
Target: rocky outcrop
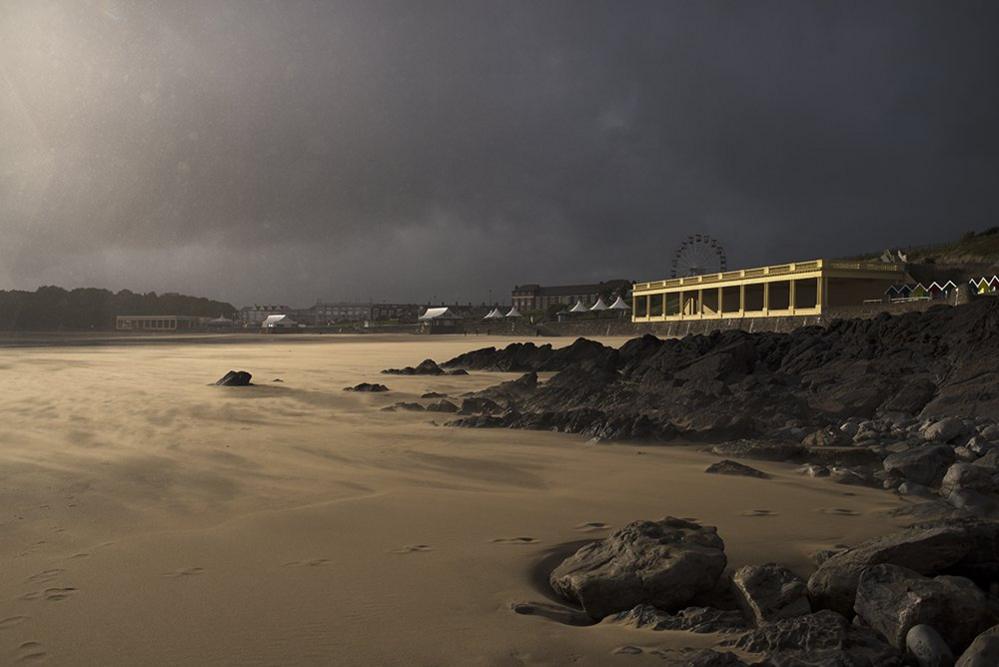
{"x": 823, "y": 639}
{"x": 443, "y": 405}
{"x": 923, "y": 465}
{"x": 919, "y": 368}
{"x": 892, "y": 600}
{"x": 663, "y": 563}
{"x": 425, "y": 367}
{"x": 367, "y": 386}
{"x": 969, "y": 548}
{"x": 729, "y": 467}
{"x": 770, "y": 592}
{"x": 234, "y": 379}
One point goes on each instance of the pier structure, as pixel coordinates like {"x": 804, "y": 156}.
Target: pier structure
{"x": 783, "y": 290}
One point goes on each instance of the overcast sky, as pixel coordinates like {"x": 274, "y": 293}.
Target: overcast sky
{"x": 408, "y": 150}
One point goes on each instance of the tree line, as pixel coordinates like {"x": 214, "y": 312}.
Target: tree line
{"x": 52, "y": 308}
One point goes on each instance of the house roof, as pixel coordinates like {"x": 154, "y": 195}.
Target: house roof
{"x": 574, "y": 290}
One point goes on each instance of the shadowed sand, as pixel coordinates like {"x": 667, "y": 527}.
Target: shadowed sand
{"x": 150, "y": 518}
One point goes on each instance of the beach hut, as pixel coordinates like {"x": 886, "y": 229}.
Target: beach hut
{"x": 619, "y": 304}
{"x": 919, "y": 291}
{"x": 599, "y": 305}
{"x": 513, "y": 313}
{"x": 494, "y": 314}
{"x": 578, "y": 308}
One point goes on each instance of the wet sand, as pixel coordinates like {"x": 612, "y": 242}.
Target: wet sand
{"x": 149, "y": 518}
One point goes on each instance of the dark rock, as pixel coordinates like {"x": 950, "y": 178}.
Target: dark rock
{"x": 729, "y": 467}
{"x": 691, "y": 619}
{"x": 367, "y": 386}
{"x": 968, "y": 477}
{"x": 951, "y": 546}
{"x": 770, "y": 592}
{"x": 413, "y": 407}
{"x": 826, "y": 437}
{"x": 443, "y": 405}
{"x": 480, "y": 405}
{"x": 929, "y": 649}
{"x": 701, "y": 657}
{"x": 893, "y": 599}
{"x": 664, "y": 563}
{"x": 983, "y": 652}
{"x": 433, "y": 394}
{"x": 852, "y": 476}
{"x": 425, "y": 367}
{"x": 824, "y": 639}
{"x": 234, "y": 379}
{"x": 925, "y": 465}
{"x": 813, "y": 470}
{"x": 944, "y": 430}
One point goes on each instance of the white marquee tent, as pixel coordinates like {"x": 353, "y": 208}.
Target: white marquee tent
{"x": 599, "y": 305}
{"x": 494, "y": 314}
{"x": 514, "y": 312}
{"x": 578, "y": 308}
{"x": 619, "y": 304}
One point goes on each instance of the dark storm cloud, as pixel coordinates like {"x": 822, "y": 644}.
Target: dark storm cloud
{"x": 286, "y": 151}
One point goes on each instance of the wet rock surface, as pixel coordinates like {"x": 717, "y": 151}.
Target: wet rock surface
{"x": 425, "y": 367}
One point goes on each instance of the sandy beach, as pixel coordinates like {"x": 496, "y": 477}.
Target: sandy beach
{"x": 150, "y": 518}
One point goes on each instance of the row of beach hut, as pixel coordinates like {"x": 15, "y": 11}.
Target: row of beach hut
{"x": 938, "y": 290}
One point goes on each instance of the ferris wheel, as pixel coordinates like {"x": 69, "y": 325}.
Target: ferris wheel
{"x": 698, "y": 254}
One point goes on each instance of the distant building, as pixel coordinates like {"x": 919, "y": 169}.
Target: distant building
{"x": 157, "y": 322}
{"x": 533, "y": 297}
{"x": 332, "y": 312}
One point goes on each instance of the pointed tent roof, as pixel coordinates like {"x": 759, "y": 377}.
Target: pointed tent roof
{"x": 514, "y": 312}
{"x": 578, "y": 308}
{"x": 619, "y": 304}
{"x": 442, "y": 313}
{"x": 599, "y": 305}
{"x": 494, "y": 314}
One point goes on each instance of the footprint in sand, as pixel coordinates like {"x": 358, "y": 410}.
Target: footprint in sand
{"x": 411, "y": 548}
{"x": 30, "y": 652}
{"x": 58, "y": 594}
{"x": 839, "y": 511}
{"x": 555, "y": 612}
{"x": 628, "y": 649}
{"x": 516, "y": 540}
{"x": 78, "y": 556}
{"x": 314, "y": 562}
{"x": 11, "y": 621}
{"x": 186, "y": 572}
{"x": 758, "y": 513}
{"x": 592, "y": 526}
{"x": 46, "y": 575}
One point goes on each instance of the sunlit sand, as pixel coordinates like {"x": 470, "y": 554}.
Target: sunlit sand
{"x": 150, "y": 518}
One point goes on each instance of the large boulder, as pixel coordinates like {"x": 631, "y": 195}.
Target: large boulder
{"x": 893, "y": 599}
{"x": 234, "y": 379}
{"x": 943, "y": 430}
{"x": 968, "y": 477}
{"x": 664, "y": 563}
{"x": 963, "y": 547}
{"x": 770, "y": 592}
{"x": 821, "y": 639}
{"x": 983, "y": 652}
{"x": 925, "y": 465}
